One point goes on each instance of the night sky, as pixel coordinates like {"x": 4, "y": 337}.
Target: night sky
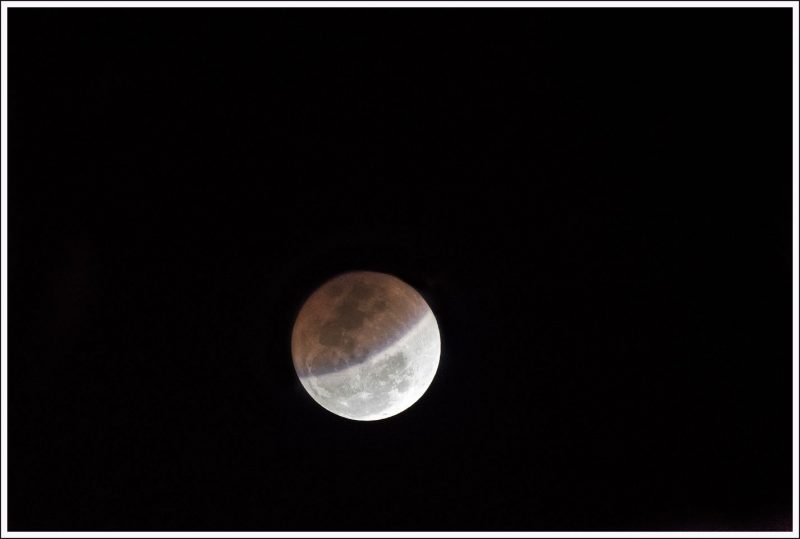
{"x": 595, "y": 203}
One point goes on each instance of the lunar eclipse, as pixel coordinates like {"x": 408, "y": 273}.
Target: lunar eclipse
{"x": 365, "y": 345}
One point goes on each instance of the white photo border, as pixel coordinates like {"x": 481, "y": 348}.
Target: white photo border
{"x": 4, "y": 532}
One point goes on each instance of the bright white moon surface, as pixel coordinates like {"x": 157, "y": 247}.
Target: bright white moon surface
{"x": 365, "y": 345}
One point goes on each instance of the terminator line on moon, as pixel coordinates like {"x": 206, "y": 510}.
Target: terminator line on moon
{"x": 365, "y": 345}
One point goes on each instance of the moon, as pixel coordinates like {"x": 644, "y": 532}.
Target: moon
{"x": 365, "y": 345}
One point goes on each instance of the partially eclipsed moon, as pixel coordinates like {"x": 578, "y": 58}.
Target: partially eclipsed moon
{"x": 365, "y": 345}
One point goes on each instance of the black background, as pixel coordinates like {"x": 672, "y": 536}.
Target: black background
{"x": 596, "y": 203}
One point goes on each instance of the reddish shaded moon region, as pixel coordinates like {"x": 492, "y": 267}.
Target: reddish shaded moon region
{"x": 350, "y": 318}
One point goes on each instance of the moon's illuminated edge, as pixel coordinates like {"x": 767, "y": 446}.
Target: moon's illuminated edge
{"x": 400, "y": 386}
